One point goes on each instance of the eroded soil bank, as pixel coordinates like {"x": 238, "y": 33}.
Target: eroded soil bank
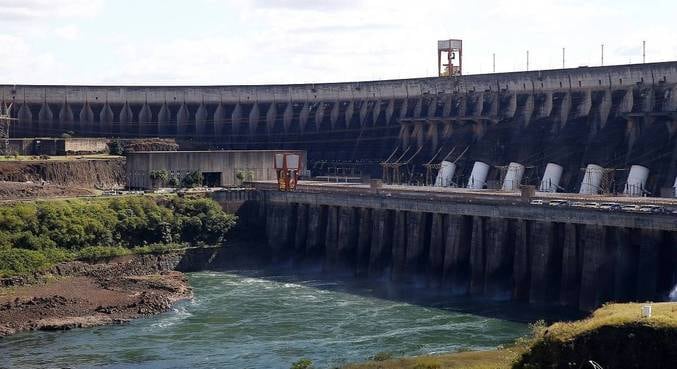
{"x": 77, "y": 294}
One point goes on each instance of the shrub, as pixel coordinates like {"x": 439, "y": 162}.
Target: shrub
{"x": 102, "y": 252}
{"x": 382, "y": 356}
{"x": 302, "y": 364}
{"x": 192, "y": 179}
{"x": 115, "y": 148}
{"x": 427, "y": 363}
{"x": 20, "y": 261}
{"x": 159, "y": 177}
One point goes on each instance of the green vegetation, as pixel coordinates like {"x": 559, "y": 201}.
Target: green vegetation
{"x": 192, "y": 179}
{"x": 302, "y": 364}
{"x": 116, "y": 148}
{"x": 543, "y": 341}
{"x": 36, "y": 235}
{"x": 159, "y": 177}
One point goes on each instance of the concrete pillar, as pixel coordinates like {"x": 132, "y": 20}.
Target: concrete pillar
{"x": 571, "y": 266}
{"x": 627, "y": 102}
{"x": 418, "y": 108}
{"x": 404, "y": 109}
{"x": 521, "y": 271}
{"x": 85, "y": 119}
{"x": 319, "y": 115}
{"x": 604, "y": 107}
{"x": 499, "y": 258}
{"x": 592, "y": 271}
{"x": 364, "y": 238}
{"x": 648, "y": 262}
{"x": 564, "y": 109}
{"x": 331, "y": 239}
{"x": 545, "y": 260}
{"x": 509, "y": 106}
{"x": 585, "y": 105}
{"x": 456, "y": 273}
{"x": 287, "y": 117}
{"x": 417, "y": 240}
{"x": 399, "y": 245}
{"x": 347, "y": 237}
{"x": 304, "y": 115}
{"x": 182, "y": 120}
{"x": 376, "y": 111}
{"x": 364, "y": 111}
{"x": 436, "y": 249}
{"x": 66, "y": 118}
{"x": 477, "y": 256}
{"x": 105, "y": 120}
{"x": 545, "y": 108}
{"x": 317, "y": 224}
{"x": 349, "y": 113}
{"x": 45, "y": 120}
{"x": 390, "y": 110}
{"x": 254, "y": 116}
{"x": 25, "y": 117}
{"x": 334, "y": 114}
{"x": 448, "y": 101}
{"x": 236, "y": 119}
{"x": 271, "y": 116}
{"x": 381, "y": 241}
{"x": 625, "y": 269}
{"x": 301, "y": 236}
{"x": 220, "y": 120}
{"x": 527, "y": 110}
{"x": 145, "y": 119}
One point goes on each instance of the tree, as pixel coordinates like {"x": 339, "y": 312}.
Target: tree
{"x": 159, "y": 177}
{"x": 115, "y": 148}
{"x": 302, "y": 364}
{"x": 193, "y": 179}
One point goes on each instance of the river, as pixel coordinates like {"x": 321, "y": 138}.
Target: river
{"x": 254, "y": 320}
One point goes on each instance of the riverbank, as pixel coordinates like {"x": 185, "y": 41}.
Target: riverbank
{"x": 614, "y": 336}
{"x": 77, "y": 294}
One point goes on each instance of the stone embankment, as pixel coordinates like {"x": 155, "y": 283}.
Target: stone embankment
{"x": 84, "y": 173}
{"x": 77, "y": 294}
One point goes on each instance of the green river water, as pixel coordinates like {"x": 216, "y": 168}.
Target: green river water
{"x": 255, "y": 320}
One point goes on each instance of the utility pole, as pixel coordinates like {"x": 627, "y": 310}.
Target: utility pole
{"x": 643, "y": 52}
{"x": 527, "y": 60}
{"x": 494, "y": 57}
{"x": 602, "y": 54}
{"x": 563, "y": 58}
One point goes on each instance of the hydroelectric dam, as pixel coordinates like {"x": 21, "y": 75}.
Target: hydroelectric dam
{"x": 583, "y": 136}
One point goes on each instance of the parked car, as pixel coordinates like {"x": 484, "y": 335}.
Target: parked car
{"x": 536, "y": 202}
{"x": 558, "y": 203}
{"x": 653, "y": 209}
{"x": 577, "y": 204}
{"x": 591, "y": 205}
{"x": 633, "y": 208}
{"x": 610, "y": 206}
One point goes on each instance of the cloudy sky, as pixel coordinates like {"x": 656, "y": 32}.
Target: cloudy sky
{"x": 286, "y": 41}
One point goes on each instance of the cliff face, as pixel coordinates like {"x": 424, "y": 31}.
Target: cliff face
{"x": 108, "y": 173}
{"x": 580, "y": 266}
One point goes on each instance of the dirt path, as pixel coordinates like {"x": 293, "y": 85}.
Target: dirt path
{"x": 101, "y": 294}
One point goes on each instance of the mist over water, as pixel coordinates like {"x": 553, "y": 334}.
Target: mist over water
{"x": 250, "y": 320}
{"x": 673, "y": 294}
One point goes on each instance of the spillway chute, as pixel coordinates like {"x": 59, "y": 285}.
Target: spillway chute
{"x": 592, "y": 180}
{"x": 478, "y": 176}
{"x": 446, "y": 174}
{"x": 551, "y": 178}
{"x": 513, "y": 177}
{"x": 636, "y": 183}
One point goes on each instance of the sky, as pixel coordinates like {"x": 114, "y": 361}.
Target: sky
{"x": 224, "y": 42}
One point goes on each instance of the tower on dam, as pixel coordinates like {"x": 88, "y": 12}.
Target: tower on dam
{"x": 587, "y": 127}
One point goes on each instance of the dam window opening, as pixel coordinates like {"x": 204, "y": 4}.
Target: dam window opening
{"x": 211, "y": 179}
{"x": 620, "y": 81}
{"x": 600, "y": 82}
{"x": 580, "y": 84}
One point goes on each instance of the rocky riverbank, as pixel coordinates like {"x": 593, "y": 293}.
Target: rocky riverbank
{"x": 77, "y": 294}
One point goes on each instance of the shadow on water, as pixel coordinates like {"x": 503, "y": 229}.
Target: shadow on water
{"x": 418, "y": 291}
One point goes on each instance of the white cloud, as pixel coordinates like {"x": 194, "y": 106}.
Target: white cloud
{"x": 23, "y": 64}
{"x": 25, "y": 10}
{"x": 69, "y": 32}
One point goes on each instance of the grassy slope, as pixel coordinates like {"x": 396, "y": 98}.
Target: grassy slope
{"x": 664, "y": 315}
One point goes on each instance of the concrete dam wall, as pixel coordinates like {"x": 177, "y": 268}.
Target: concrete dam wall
{"x": 503, "y": 252}
{"x": 614, "y": 117}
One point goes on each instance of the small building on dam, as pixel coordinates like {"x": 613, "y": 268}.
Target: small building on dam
{"x": 218, "y": 168}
